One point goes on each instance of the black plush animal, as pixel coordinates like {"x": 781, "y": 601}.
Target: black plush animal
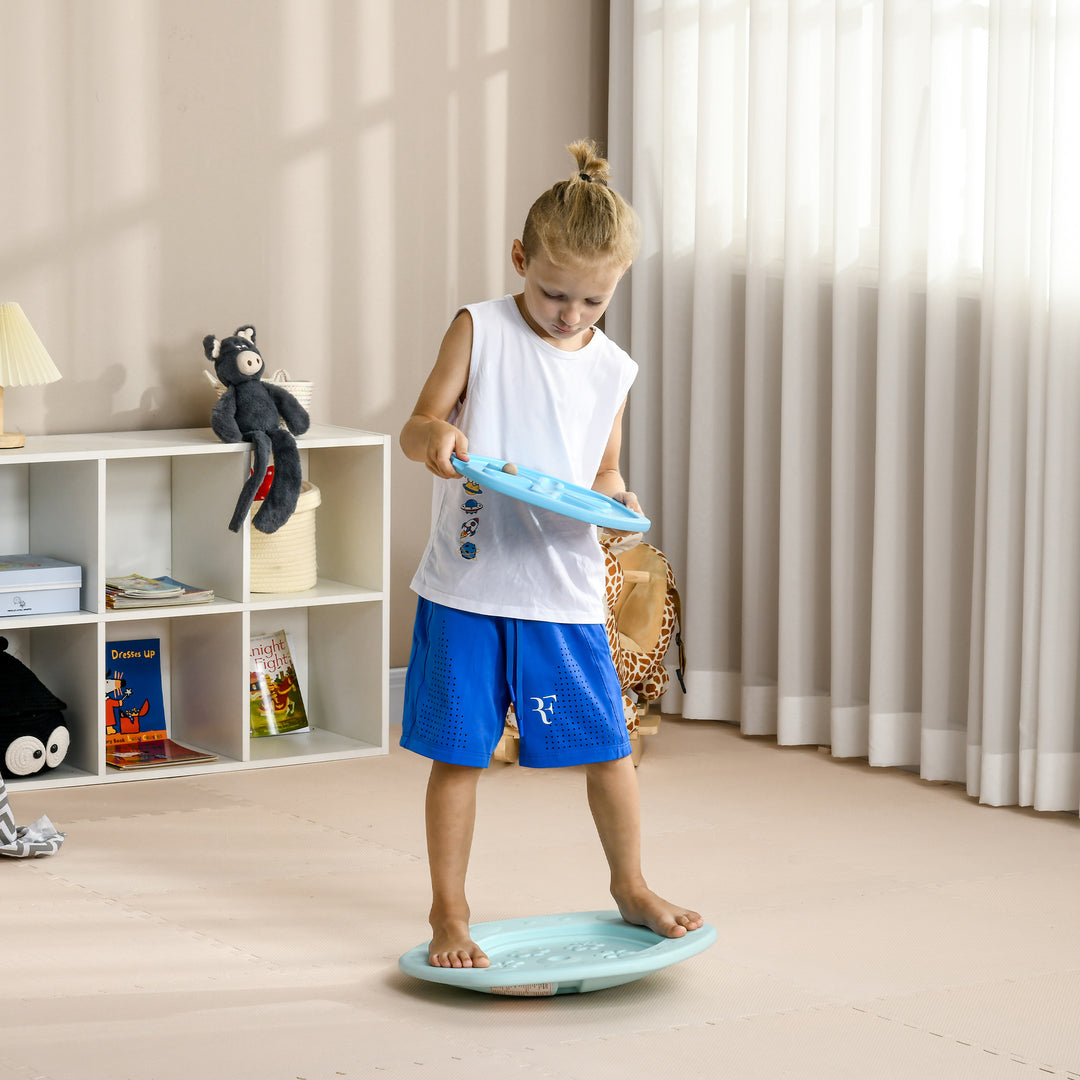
{"x": 252, "y": 410}
{"x": 33, "y": 735}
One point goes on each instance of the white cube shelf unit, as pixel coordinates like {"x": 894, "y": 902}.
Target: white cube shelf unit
{"x": 159, "y": 502}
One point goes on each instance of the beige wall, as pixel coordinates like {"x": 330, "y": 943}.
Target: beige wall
{"x": 341, "y": 173}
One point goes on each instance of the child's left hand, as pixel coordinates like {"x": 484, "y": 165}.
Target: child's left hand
{"x": 630, "y": 501}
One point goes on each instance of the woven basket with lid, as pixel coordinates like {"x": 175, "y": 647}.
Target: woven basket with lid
{"x": 284, "y": 561}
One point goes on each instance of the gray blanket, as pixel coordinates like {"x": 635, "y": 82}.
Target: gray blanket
{"x": 26, "y": 841}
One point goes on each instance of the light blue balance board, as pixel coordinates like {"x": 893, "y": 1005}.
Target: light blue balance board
{"x": 551, "y": 493}
{"x": 574, "y": 953}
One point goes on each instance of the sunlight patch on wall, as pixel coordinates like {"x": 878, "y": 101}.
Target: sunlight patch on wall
{"x": 77, "y": 234}
{"x": 375, "y": 51}
{"x": 82, "y": 240}
{"x": 115, "y": 127}
{"x": 496, "y": 152}
{"x": 477, "y": 141}
{"x": 453, "y": 32}
{"x": 305, "y": 69}
{"x": 32, "y": 186}
{"x": 302, "y": 268}
{"x": 497, "y": 25}
{"x": 118, "y": 132}
{"x": 452, "y": 277}
{"x": 109, "y": 313}
{"x": 377, "y": 272}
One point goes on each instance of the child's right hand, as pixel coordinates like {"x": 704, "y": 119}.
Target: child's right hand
{"x": 443, "y": 441}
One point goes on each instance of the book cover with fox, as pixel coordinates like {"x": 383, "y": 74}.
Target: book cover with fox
{"x": 134, "y": 705}
{"x": 136, "y": 729}
{"x": 277, "y": 705}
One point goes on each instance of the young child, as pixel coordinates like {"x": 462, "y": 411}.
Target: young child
{"x": 511, "y": 602}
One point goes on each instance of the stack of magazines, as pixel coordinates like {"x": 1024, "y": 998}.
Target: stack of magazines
{"x": 137, "y": 591}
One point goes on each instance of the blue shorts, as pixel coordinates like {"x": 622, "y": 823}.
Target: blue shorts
{"x": 466, "y": 669}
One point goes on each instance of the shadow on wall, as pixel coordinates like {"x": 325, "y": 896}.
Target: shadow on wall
{"x": 334, "y": 171}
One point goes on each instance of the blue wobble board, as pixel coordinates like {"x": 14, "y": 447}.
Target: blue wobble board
{"x": 545, "y": 955}
{"x": 551, "y": 493}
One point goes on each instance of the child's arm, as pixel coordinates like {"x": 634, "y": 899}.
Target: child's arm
{"x": 609, "y": 479}
{"x": 427, "y": 436}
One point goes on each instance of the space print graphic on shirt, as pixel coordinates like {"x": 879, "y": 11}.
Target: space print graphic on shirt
{"x": 473, "y": 508}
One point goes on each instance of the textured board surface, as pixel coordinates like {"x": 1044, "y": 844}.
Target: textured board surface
{"x": 551, "y": 493}
{"x": 545, "y": 955}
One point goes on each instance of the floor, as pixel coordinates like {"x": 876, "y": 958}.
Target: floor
{"x": 248, "y": 924}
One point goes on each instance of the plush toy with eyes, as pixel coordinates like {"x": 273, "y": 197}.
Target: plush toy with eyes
{"x": 253, "y": 410}
{"x": 33, "y": 735}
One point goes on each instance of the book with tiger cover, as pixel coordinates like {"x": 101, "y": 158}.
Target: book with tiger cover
{"x": 277, "y": 704}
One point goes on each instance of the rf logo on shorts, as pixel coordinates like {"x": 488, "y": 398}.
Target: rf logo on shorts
{"x": 545, "y": 707}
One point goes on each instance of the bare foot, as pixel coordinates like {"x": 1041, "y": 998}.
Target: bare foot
{"x": 643, "y": 907}
{"x": 451, "y": 946}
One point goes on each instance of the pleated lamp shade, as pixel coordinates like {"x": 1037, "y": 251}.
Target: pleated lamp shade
{"x": 23, "y": 362}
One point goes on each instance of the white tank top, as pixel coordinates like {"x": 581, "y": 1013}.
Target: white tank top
{"x": 543, "y": 408}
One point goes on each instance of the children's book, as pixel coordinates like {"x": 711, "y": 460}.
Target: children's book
{"x": 277, "y": 706}
{"x": 137, "y": 590}
{"x": 136, "y": 735}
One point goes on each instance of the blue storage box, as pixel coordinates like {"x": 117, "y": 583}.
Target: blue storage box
{"x": 38, "y": 585}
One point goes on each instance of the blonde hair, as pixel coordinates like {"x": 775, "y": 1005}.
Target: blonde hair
{"x": 582, "y": 218}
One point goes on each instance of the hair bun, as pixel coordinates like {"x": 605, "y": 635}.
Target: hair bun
{"x": 582, "y": 217}
{"x": 592, "y": 166}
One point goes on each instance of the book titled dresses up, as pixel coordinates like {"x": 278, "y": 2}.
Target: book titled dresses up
{"x": 136, "y": 731}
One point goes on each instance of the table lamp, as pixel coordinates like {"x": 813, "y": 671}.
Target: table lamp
{"x": 23, "y": 362}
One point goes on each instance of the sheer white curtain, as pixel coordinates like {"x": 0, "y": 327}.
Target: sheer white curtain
{"x": 857, "y": 427}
